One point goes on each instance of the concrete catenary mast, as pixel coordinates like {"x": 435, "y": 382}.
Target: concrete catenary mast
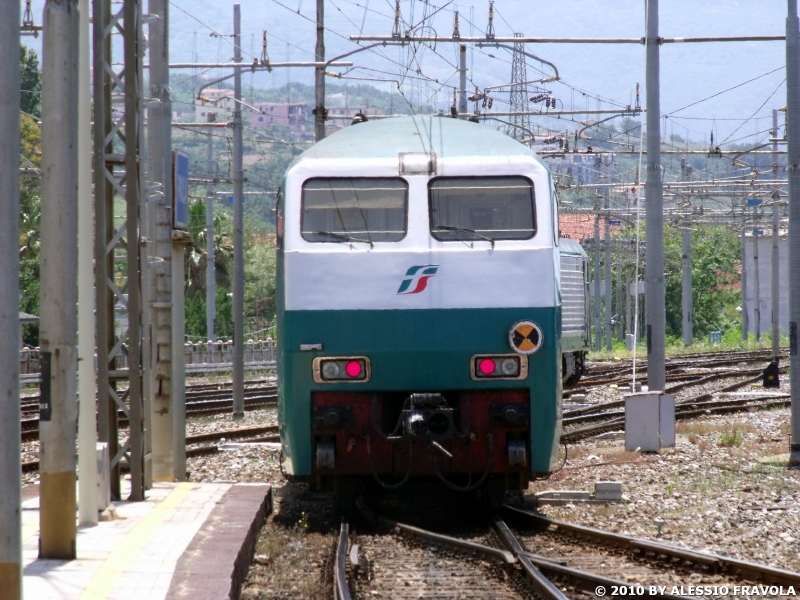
{"x": 59, "y": 270}
{"x": 10, "y": 428}
{"x": 793, "y": 138}
{"x": 654, "y": 213}
{"x": 238, "y": 225}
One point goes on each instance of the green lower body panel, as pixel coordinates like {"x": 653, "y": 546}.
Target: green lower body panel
{"x": 418, "y": 351}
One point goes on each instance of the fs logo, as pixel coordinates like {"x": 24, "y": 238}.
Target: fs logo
{"x": 417, "y": 278}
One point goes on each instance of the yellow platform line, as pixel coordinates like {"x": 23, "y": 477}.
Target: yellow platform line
{"x": 102, "y": 582}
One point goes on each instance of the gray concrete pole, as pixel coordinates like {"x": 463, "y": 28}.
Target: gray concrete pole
{"x": 655, "y": 310}
{"x": 211, "y": 276}
{"x": 609, "y": 283}
{"x": 745, "y": 318}
{"x": 319, "y": 74}
{"x": 756, "y": 282}
{"x": 686, "y": 287}
{"x": 238, "y": 226}
{"x": 162, "y": 304}
{"x": 462, "y": 81}
{"x": 619, "y": 300}
{"x": 596, "y": 328}
{"x": 87, "y": 417}
{"x": 776, "y": 221}
{"x": 793, "y": 137}
{"x": 628, "y": 311}
{"x": 10, "y": 492}
{"x": 59, "y": 277}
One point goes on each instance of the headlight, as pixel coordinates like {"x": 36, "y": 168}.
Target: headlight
{"x": 510, "y": 366}
{"x": 330, "y": 370}
{"x": 355, "y": 369}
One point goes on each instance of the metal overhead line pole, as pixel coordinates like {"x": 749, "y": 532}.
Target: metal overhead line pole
{"x": 607, "y": 277}
{"x": 686, "y": 286}
{"x": 745, "y": 318}
{"x": 159, "y": 233}
{"x": 10, "y": 428}
{"x": 776, "y": 221}
{"x": 462, "y": 81}
{"x": 59, "y": 272}
{"x": 519, "y": 93}
{"x": 238, "y": 225}
{"x": 211, "y": 278}
{"x": 87, "y": 416}
{"x": 319, "y": 75}
{"x": 597, "y": 320}
{"x": 116, "y": 179}
{"x": 793, "y": 139}
{"x": 757, "y": 282}
{"x": 654, "y": 211}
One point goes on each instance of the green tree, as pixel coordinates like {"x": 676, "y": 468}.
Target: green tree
{"x": 29, "y": 225}
{"x": 259, "y": 278}
{"x": 715, "y": 268}
{"x": 30, "y": 82}
{"x": 196, "y": 261}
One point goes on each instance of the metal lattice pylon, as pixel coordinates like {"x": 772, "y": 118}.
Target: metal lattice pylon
{"x": 117, "y": 133}
{"x": 520, "y": 124}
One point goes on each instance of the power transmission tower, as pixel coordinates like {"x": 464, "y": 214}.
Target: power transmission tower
{"x": 520, "y": 123}
{"x": 118, "y": 126}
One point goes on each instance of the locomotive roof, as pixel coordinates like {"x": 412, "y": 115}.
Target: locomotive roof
{"x": 447, "y": 137}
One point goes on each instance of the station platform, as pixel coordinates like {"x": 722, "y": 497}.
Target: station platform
{"x": 186, "y": 540}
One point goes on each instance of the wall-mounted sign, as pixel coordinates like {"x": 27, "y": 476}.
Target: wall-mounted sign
{"x": 180, "y": 190}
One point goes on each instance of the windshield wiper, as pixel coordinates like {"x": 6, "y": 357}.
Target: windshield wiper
{"x": 465, "y": 230}
{"x": 345, "y": 237}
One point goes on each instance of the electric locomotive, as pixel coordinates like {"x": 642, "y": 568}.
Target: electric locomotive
{"x": 418, "y": 306}
{"x": 575, "y": 336}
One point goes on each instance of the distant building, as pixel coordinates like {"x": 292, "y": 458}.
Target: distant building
{"x": 579, "y": 226}
{"x": 216, "y": 102}
{"x": 764, "y": 266}
{"x": 294, "y": 116}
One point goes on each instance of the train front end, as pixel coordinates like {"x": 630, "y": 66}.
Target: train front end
{"x": 418, "y": 313}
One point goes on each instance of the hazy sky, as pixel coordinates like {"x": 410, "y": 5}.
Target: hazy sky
{"x": 689, "y": 73}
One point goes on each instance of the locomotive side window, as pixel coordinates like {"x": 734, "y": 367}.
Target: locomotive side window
{"x": 355, "y": 210}
{"x": 491, "y": 208}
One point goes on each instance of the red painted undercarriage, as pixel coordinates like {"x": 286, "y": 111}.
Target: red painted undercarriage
{"x": 395, "y": 436}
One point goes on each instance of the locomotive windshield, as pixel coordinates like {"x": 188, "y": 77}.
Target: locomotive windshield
{"x": 489, "y": 208}
{"x": 354, "y": 210}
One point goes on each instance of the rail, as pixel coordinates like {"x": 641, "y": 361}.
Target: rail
{"x": 340, "y": 589}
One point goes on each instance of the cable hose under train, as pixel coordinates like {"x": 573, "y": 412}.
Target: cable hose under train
{"x": 470, "y": 486}
{"x": 376, "y": 477}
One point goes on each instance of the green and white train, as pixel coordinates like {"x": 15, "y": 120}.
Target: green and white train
{"x": 419, "y": 308}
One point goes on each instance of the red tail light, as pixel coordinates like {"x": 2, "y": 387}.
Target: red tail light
{"x": 499, "y": 366}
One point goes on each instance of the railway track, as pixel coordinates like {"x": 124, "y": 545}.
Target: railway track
{"x": 200, "y": 404}
{"x": 267, "y": 433}
{"x": 664, "y": 564}
{"x": 571, "y": 561}
{"x": 604, "y": 375}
